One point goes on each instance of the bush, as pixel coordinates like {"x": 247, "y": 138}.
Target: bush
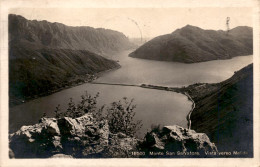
{"x": 87, "y": 104}
{"x": 156, "y": 128}
{"x": 120, "y": 115}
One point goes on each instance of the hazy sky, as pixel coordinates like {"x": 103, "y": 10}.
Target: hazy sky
{"x": 149, "y": 22}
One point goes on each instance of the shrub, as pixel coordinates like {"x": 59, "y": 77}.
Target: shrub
{"x": 87, "y": 104}
{"x": 156, "y": 128}
{"x": 120, "y": 115}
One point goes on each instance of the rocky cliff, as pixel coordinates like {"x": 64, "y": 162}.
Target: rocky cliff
{"x": 85, "y": 137}
{"x": 224, "y": 111}
{"x": 192, "y": 44}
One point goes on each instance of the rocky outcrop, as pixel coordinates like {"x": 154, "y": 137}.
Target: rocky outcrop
{"x": 178, "y": 139}
{"x": 192, "y": 44}
{"x": 82, "y": 137}
{"x": 85, "y": 137}
{"x": 39, "y": 140}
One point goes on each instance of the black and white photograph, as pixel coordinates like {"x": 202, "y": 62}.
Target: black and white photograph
{"x": 131, "y": 82}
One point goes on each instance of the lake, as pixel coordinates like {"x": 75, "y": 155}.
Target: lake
{"x": 138, "y": 71}
{"x": 153, "y": 106}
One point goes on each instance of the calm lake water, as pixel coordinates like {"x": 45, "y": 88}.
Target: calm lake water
{"x": 153, "y": 106}
{"x": 138, "y": 71}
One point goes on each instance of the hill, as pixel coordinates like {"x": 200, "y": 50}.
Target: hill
{"x": 192, "y": 44}
{"x": 39, "y": 72}
{"x": 224, "y": 111}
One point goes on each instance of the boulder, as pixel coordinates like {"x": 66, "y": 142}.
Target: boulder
{"x": 83, "y": 136}
{"x": 79, "y": 137}
{"x": 39, "y": 140}
{"x": 177, "y": 139}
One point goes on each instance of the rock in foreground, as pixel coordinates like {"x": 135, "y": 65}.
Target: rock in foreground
{"x": 39, "y": 140}
{"x": 82, "y": 137}
{"x": 176, "y": 139}
{"x": 85, "y": 137}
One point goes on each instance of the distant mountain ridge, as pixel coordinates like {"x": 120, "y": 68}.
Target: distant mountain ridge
{"x": 192, "y": 44}
{"x": 39, "y": 34}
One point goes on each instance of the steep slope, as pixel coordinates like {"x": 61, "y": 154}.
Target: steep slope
{"x": 45, "y": 57}
{"x": 224, "y": 111}
{"x": 192, "y": 44}
{"x": 39, "y": 72}
{"x": 39, "y": 34}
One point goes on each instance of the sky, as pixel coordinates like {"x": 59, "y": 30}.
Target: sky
{"x": 145, "y": 22}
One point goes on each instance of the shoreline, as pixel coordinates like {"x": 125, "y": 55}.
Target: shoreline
{"x": 86, "y": 78}
{"x": 228, "y": 58}
{"x": 165, "y": 88}
{"x": 177, "y": 90}
{"x": 99, "y": 74}
{"x": 189, "y": 114}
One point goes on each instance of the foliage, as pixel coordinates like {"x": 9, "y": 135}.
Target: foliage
{"x": 156, "y": 128}
{"x": 87, "y": 104}
{"x": 120, "y": 115}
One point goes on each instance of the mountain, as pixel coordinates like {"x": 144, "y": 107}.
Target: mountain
{"x": 224, "y": 111}
{"x": 39, "y": 34}
{"x": 33, "y": 72}
{"x": 192, "y": 44}
{"x": 44, "y": 56}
